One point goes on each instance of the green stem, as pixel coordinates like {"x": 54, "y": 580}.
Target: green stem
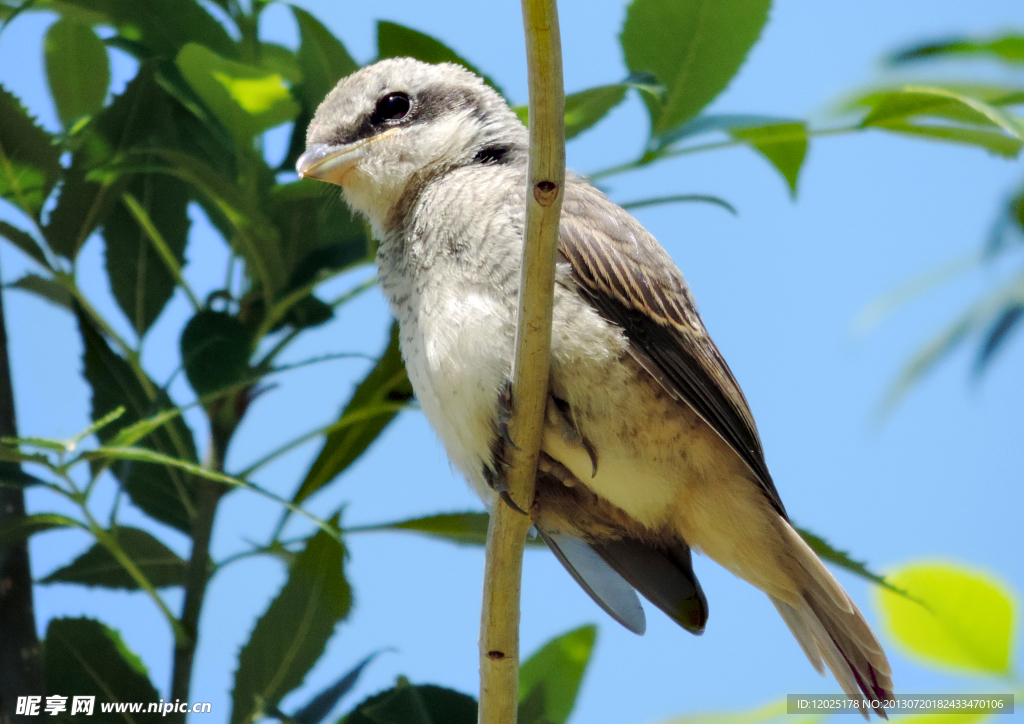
{"x": 647, "y": 159}
{"x": 21, "y": 663}
{"x": 161, "y": 246}
{"x": 197, "y": 577}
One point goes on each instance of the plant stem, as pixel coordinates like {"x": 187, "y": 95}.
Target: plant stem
{"x": 506, "y": 533}
{"x": 197, "y": 576}
{"x": 21, "y": 664}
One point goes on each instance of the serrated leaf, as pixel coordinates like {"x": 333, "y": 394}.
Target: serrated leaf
{"x": 235, "y": 212}
{"x": 406, "y": 703}
{"x": 215, "y": 350}
{"x": 550, "y": 679}
{"x": 319, "y": 236}
{"x": 693, "y": 47}
{"x": 140, "y": 280}
{"x": 29, "y": 160}
{"x": 386, "y": 382}
{"x": 466, "y": 528}
{"x": 24, "y": 241}
{"x": 827, "y": 552}
{"x": 293, "y": 632}
{"x": 964, "y": 621}
{"x": 163, "y": 492}
{"x": 47, "y": 288}
{"x": 1007, "y": 48}
{"x": 783, "y": 144}
{"x": 321, "y": 705}
{"x": 77, "y": 69}
{"x": 84, "y": 657}
{"x": 246, "y": 99}
{"x": 136, "y": 117}
{"x": 98, "y": 567}
{"x": 398, "y": 41}
{"x": 15, "y": 530}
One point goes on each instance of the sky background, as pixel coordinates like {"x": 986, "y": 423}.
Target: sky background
{"x": 779, "y": 288}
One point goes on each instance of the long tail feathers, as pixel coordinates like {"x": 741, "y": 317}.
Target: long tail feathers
{"x": 830, "y": 629}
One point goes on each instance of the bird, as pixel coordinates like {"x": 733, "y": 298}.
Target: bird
{"x": 649, "y": 448}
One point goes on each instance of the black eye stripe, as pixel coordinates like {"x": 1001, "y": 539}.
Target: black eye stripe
{"x": 392, "y": 107}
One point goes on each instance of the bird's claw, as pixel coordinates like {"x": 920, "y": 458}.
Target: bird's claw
{"x": 504, "y": 495}
{"x": 505, "y": 406}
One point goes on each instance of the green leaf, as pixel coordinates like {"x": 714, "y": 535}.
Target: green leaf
{"x": 215, "y": 349}
{"x": 293, "y": 632}
{"x": 783, "y": 144}
{"x": 138, "y": 116}
{"x": 323, "y": 61}
{"x": 842, "y": 559}
{"x": 83, "y": 657}
{"x": 321, "y": 705}
{"x": 997, "y": 335}
{"x": 236, "y": 213}
{"x": 322, "y": 58}
{"x": 1007, "y": 48}
{"x": 12, "y": 476}
{"x": 98, "y": 567}
{"x": 77, "y": 69}
{"x": 15, "y": 530}
{"x": 693, "y": 47}
{"x": 550, "y": 679}
{"x": 468, "y": 528}
{"x": 904, "y": 105}
{"x": 140, "y": 280}
{"x": 966, "y": 621}
{"x": 319, "y": 235}
{"x": 29, "y": 160}
{"x": 1004, "y": 145}
{"x": 24, "y": 241}
{"x": 246, "y": 99}
{"x": 386, "y": 382}
{"x": 406, "y": 703}
{"x": 156, "y": 27}
{"x": 398, "y": 41}
{"x": 163, "y": 492}
{"x": 47, "y": 288}
{"x": 584, "y": 109}
{"x": 980, "y": 315}
{"x": 282, "y": 60}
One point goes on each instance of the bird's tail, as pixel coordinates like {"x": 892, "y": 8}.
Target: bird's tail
{"x": 829, "y": 628}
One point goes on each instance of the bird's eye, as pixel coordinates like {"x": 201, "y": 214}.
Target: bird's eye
{"x": 391, "y": 107}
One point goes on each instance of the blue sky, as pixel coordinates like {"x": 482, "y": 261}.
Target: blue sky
{"x": 779, "y": 288}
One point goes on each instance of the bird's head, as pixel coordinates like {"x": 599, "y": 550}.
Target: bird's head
{"x": 401, "y": 120}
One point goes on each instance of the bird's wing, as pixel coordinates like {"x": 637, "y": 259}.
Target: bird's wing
{"x": 632, "y": 282}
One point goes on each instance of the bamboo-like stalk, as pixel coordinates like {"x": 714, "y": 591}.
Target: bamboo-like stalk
{"x": 506, "y": 535}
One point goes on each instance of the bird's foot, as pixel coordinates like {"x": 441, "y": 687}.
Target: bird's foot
{"x": 505, "y": 408}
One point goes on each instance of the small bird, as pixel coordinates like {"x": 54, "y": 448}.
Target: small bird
{"x": 649, "y": 447}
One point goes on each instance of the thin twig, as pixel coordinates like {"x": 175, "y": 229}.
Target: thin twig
{"x": 506, "y": 534}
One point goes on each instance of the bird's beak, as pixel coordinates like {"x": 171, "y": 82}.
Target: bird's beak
{"x": 330, "y": 162}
